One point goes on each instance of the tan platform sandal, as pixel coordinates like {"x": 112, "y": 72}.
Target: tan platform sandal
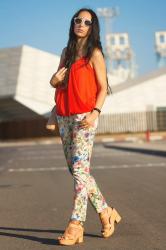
{"x": 72, "y": 235}
{"x": 108, "y": 219}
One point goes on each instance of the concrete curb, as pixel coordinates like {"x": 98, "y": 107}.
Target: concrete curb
{"x": 98, "y": 139}
{"x": 142, "y": 138}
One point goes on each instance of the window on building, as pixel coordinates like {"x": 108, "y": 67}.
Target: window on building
{"x": 112, "y": 40}
{"x": 122, "y": 40}
{"x": 162, "y": 39}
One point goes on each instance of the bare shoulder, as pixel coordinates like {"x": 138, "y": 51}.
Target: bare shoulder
{"x": 97, "y": 54}
{"x": 97, "y": 58}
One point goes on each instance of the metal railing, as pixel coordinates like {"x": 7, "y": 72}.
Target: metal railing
{"x": 110, "y": 123}
{"x": 132, "y": 122}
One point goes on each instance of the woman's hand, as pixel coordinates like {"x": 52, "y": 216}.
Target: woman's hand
{"x": 58, "y": 77}
{"x": 89, "y": 120}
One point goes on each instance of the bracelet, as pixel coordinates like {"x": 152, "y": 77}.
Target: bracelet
{"x": 97, "y": 110}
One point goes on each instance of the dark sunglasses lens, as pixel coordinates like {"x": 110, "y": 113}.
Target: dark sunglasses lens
{"x": 88, "y": 22}
{"x": 77, "y": 20}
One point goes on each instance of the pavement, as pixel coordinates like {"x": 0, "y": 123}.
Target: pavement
{"x": 36, "y": 194}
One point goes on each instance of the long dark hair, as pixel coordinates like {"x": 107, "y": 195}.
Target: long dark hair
{"x": 93, "y": 42}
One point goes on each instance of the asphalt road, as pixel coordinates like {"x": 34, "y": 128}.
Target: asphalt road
{"x": 36, "y": 192}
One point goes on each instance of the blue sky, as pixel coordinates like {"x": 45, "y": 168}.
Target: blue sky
{"x": 44, "y": 24}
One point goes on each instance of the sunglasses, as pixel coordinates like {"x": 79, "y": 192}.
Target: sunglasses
{"x": 79, "y": 20}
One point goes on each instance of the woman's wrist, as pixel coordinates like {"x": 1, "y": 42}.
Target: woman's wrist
{"x": 96, "y": 110}
{"x": 55, "y": 83}
{"x": 95, "y": 113}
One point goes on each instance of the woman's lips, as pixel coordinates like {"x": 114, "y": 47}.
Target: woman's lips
{"x": 80, "y": 31}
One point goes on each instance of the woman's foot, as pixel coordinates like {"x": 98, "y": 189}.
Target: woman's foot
{"x": 109, "y": 216}
{"x": 73, "y": 234}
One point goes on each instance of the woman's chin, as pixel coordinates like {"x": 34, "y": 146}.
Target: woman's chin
{"x": 80, "y": 35}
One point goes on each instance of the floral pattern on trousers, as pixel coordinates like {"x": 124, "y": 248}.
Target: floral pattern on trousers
{"x": 77, "y": 145}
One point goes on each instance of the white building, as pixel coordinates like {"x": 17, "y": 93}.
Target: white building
{"x": 25, "y": 73}
{"x": 144, "y": 93}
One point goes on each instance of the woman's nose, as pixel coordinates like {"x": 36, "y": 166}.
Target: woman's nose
{"x": 81, "y": 24}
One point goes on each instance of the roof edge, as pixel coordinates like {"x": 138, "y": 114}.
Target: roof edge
{"x": 140, "y": 79}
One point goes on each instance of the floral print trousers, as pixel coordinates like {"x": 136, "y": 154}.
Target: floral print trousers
{"x": 77, "y": 145}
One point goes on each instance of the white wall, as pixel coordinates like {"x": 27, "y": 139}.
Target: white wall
{"x": 9, "y": 68}
{"x": 33, "y": 87}
{"x": 114, "y": 80}
{"x": 147, "y": 95}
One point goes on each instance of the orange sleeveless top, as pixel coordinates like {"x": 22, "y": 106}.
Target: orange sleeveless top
{"x": 80, "y": 94}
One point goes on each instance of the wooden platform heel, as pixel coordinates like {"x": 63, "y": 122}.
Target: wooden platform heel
{"x": 108, "y": 219}
{"x": 72, "y": 235}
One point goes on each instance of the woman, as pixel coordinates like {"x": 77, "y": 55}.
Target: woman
{"x": 81, "y": 87}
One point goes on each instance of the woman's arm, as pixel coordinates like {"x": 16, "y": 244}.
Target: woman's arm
{"x": 59, "y": 76}
{"x": 99, "y": 66}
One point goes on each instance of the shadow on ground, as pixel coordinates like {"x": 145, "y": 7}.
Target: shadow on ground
{"x": 47, "y": 241}
{"x": 154, "y": 152}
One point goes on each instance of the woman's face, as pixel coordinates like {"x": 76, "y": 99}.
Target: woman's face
{"x": 82, "y": 26}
